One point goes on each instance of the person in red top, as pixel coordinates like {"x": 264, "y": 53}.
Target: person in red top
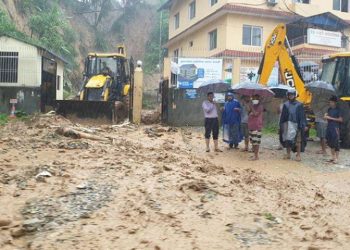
{"x": 255, "y": 124}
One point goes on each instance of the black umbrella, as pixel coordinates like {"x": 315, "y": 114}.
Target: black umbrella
{"x": 280, "y": 90}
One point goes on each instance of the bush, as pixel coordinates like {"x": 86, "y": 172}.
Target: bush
{"x": 3, "y": 119}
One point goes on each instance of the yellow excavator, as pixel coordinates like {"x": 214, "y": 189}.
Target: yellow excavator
{"x": 335, "y": 71}
{"x": 105, "y": 90}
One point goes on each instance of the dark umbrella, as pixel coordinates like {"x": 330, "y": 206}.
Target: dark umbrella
{"x": 251, "y": 89}
{"x": 214, "y": 86}
{"x": 280, "y": 90}
{"x": 320, "y": 88}
{"x": 321, "y": 92}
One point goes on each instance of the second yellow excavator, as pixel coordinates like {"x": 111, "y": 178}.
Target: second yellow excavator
{"x": 335, "y": 71}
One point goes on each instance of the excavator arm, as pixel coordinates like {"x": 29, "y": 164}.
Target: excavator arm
{"x": 276, "y": 51}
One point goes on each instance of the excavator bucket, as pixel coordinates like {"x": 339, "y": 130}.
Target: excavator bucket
{"x": 87, "y": 109}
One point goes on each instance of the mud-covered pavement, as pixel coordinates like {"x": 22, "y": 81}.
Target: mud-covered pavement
{"x": 155, "y": 188}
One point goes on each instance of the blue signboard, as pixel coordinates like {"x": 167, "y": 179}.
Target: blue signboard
{"x": 191, "y": 94}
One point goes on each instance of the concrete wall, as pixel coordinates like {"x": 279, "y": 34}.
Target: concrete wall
{"x": 28, "y": 99}
{"x": 200, "y": 40}
{"x": 203, "y": 9}
{"x": 188, "y": 112}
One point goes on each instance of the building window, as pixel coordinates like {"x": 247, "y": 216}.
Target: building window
{"x": 212, "y": 2}
{"x": 9, "y": 67}
{"x": 303, "y": 1}
{"x": 58, "y": 82}
{"x": 191, "y": 44}
{"x": 192, "y": 10}
{"x": 176, "y": 55}
{"x": 341, "y": 5}
{"x": 252, "y": 35}
{"x": 213, "y": 39}
{"x": 177, "y": 20}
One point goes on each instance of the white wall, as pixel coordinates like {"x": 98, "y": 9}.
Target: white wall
{"x": 29, "y": 62}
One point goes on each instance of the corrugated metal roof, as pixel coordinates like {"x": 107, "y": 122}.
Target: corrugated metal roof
{"x": 325, "y": 20}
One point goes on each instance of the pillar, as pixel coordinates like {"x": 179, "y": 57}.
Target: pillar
{"x": 137, "y": 95}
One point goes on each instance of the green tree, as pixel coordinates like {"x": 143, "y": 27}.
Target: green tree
{"x": 154, "y": 51}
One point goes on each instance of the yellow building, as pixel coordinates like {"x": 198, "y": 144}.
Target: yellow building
{"x": 236, "y": 30}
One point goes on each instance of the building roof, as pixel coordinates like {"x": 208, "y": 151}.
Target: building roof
{"x": 251, "y": 11}
{"x": 35, "y": 45}
{"x": 238, "y": 53}
{"x": 326, "y": 20}
{"x": 234, "y": 9}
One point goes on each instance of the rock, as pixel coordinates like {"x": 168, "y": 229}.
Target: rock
{"x": 85, "y": 215}
{"x": 167, "y": 168}
{"x": 18, "y": 232}
{"x": 133, "y": 230}
{"x": 305, "y": 227}
{"x": 44, "y": 174}
{"x": 32, "y": 224}
{"x": 150, "y": 117}
{"x": 52, "y": 225}
{"x": 4, "y": 222}
{"x": 82, "y": 186}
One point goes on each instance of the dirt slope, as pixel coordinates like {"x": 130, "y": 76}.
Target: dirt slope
{"x": 155, "y": 188}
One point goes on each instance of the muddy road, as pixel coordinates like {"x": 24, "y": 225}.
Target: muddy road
{"x": 154, "y": 187}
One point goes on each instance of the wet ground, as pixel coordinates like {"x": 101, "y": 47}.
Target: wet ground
{"x": 155, "y": 187}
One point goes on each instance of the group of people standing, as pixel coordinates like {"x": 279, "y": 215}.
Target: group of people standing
{"x": 240, "y": 120}
{"x": 244, "y": 120}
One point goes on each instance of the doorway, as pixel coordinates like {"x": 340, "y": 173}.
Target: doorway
{"x": 48, "y": 84}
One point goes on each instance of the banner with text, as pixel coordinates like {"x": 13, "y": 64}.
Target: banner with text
{"x": 193, "y": 72}
{"x": 324, "y": 37}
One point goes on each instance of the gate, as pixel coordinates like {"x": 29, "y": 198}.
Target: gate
{"x": 165, "y": 100}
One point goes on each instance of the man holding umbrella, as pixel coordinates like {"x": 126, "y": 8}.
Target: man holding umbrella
{"x": 293, "y": 126}
{"x": 231, "y": 120}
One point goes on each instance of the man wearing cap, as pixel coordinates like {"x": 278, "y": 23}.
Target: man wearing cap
{"x": 231, "y": 120}
{"x": 293, "y": 126}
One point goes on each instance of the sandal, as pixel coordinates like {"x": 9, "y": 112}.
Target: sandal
{"x": 330, "y": 161}
{"x": 218, "y": 150}
{"x": 208, "y": 150}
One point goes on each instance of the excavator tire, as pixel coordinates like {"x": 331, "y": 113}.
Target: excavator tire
{"x": 345, "y": 126}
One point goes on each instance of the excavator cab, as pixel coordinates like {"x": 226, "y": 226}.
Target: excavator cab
{"x": 104, "y": 93}
{"x": 105, "y": 78}
{"x": 336, "y": 71}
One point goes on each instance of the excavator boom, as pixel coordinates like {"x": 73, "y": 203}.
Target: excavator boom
{"x": 277, "y": 49}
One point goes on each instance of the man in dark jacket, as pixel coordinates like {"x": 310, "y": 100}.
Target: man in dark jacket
{"x": 293, "y": 126}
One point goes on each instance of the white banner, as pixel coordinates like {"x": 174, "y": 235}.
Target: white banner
{"x": 250, "y": 74}
{"x": 324, "y": 37}
{"x": 193, "y": 72}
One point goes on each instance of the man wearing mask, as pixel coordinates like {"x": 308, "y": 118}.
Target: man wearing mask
{"x": 293, "y": 126}
{"x": 211, "y": 123}
{"x": 245, "y": 103}
{"x": 255, "y": 124}
{"x": 231, "y": 120}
